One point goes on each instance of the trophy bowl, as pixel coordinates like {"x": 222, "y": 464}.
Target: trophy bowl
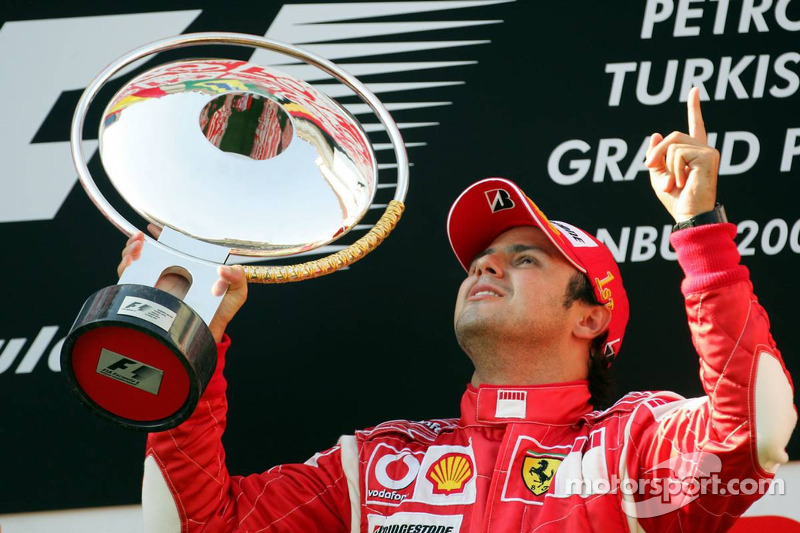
{"x": 229, "y": 159}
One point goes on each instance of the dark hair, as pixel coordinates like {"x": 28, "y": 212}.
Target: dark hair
{"x": 602, "y": 385}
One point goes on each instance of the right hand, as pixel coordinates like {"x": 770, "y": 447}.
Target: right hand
{"x": 683, "y": 168}
{"x": 232, "y": 283}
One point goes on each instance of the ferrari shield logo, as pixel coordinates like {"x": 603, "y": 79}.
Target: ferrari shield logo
{"x": 538, "y": 471}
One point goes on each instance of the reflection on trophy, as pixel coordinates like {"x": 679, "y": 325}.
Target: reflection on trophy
{"x": 229, "y": 159}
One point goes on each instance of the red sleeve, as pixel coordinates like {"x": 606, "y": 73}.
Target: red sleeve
{"x": 703, "y": 448}
{"x": 191, "y": 460}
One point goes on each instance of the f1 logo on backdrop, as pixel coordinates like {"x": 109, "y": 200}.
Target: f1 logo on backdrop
{"x": 51, "y": 56}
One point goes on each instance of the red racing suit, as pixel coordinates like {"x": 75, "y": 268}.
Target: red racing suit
{"x": 534, "y": 458}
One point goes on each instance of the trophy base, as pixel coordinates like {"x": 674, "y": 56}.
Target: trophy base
{"x": 139, "y": 357}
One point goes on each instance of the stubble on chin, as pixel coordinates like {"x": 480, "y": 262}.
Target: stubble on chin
{"x": 481, "y": 339}
{"x": 477, "y": 336}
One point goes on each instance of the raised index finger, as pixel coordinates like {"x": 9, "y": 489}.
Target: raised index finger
{"x": 697, "y": 128}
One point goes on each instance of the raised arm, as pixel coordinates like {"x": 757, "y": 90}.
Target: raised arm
{"x": 740, "y": 429}
{"x": 187, "y": 486}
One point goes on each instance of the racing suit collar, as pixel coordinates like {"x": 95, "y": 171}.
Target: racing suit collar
{"x": 556, "y": 403}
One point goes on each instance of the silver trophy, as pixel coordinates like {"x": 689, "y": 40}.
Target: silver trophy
{"x": 230, "y": 159}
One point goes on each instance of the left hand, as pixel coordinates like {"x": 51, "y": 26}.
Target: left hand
{"x": 232, "y": 283}
{"x": 683, "y": 168}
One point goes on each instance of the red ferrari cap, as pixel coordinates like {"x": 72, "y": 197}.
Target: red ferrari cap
{"x": 491, "y": 206}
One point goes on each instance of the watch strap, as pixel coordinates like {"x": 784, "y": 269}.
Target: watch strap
{"x": 715, "y": 216}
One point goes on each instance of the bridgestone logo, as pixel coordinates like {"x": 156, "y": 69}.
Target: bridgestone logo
{"x": 571, "y": 232}
{"x": 576, "y": 236}
{"x": 499, "y": 200}
{"x": 129, "y": 371}
{"x": 415, "y": 528}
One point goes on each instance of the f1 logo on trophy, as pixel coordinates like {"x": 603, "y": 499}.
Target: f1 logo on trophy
{"x": 229, "y": 159}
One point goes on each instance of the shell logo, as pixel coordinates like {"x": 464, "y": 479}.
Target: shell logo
{"x": 450, "y": 473}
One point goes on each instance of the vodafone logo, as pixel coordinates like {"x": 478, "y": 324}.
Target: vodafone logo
{"x": 395, "y": 464}
{"x": 392, "y": 474}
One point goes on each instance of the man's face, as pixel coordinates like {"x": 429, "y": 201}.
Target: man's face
{"x": 515, "y": 291}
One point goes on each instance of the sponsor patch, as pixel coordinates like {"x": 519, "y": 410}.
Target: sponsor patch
{"x": 532, "y": 470}
{"x": 414, "y": 523}
{"x": 499, "y": 199}
{"x": 391, "y": 474}
{"x": 538, "y": 470}
{"x": 576, "y": 236}
{"x": 440, "y": 475}
{"x": 447, "y": 476}
{"x": 450, "y": 473}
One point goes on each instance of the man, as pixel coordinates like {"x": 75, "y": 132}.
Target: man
{"x": 542, "y": 303}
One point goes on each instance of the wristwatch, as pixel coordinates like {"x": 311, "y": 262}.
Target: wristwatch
{"x": 715, "y": 216}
